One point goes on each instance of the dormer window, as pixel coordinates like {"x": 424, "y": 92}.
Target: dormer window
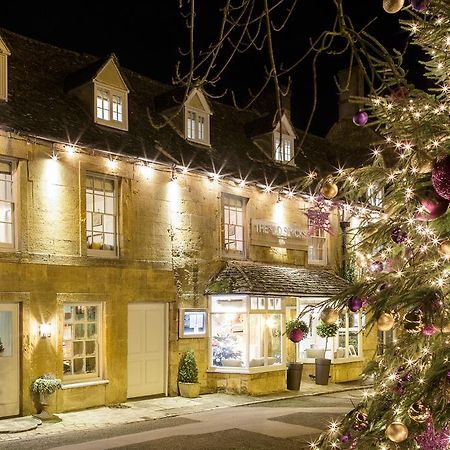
{"x": 197, "y": 113}
{"x": 283, "y": 148}
{"x": 110, "y": 107}
{"x": 283, "y": 142}
{"x": 4, "y": 53}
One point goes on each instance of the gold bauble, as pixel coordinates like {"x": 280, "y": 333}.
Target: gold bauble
{"x": 444, "y": 249}
{"x": 329, "y": 316}
{"x": 418, "y": 412}
{"x": 446, "y": 327}
{"x": 422, "y": 164}
{"x": 393, "y": 6}
{"x": 397, "y": 432}
{"x": 385, "y": 322}
{"x": 329, "y": 189}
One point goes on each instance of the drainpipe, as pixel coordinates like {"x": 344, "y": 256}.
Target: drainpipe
{"x": 344, "y": 224}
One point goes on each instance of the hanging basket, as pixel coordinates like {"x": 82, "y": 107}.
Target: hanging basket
{"x": 296, "y": 335}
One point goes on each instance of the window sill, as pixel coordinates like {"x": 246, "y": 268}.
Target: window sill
{"x": 82, "y": 384}
{"x": 109, "y": 254}
{"x": 334, "y": 361}
{"x": 247, "y": 371}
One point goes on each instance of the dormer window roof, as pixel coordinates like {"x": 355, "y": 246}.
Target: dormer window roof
{"x": 4, "y": 53}
{"x": 283, "y": 142}
{"x": 197, "y": 118}
{"x": 111, "y": 96}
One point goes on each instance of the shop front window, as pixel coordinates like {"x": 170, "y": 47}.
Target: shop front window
{"x": 246, "y": 332}
{"x": 347, "y": 344}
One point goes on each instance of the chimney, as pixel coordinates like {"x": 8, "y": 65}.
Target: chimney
{"x": 355, "y": 89}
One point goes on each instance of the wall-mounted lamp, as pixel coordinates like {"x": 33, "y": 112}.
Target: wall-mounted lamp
{"x": 45, "y": 330}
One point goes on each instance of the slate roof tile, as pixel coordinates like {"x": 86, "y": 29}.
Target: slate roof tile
{"x": 262, "y": 279}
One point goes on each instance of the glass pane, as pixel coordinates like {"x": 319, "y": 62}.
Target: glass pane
{"x": 108, "y": 223}
{"x": 228, "y": 304}
{"x": 91, "y": 313}
{"x": 91, "y": 330}
{"x": 256, "y": 340}
{"x": 273, "y": 324}
{"x": 90, "y": 365}
{"x": 6, "y": 333}
{"x": 109, "y": 205}
{"x": 78, "y": 365}
{"x": 79, "y": 330}
{"x": 67, "y": 349}
{"x": 78, "y": 348}
{"x": 90, "y": 347}
{"x": 67, "y": 332}
{"x": 353, "y": 340}
{"x": 194, "y": 322}
{"x": 67, "y": 367}
{"x": 99, "y": 203}
{"x": 228, "y": 333}
{"x": 79, "y": 312}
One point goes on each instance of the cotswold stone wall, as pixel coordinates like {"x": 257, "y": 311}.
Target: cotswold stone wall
{"x": 170, "y": 246}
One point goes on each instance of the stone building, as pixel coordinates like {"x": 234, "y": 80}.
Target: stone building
{"x": 124, "y": 244}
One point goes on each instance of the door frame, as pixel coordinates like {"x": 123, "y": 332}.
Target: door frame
{"x": 166, "y": 340}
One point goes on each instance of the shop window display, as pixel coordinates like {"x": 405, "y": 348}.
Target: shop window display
{"x": 246, "y": 332}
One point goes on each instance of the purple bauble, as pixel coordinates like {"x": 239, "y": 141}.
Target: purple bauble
{"x": 435, "y": 206}
{"x": 448, "y": 375}
{"x": 296, "y": 335}
{"x": 399, "y": 236}
{"x": 429, "y": 330}
{"x": 376, "y": 267}
{"x": 360, "y": 118}
{"x": 419, "y": 5}
{"x": 440, "y": 177}
{"x": 345, "y": 438}
{"x": 354, "y": 304}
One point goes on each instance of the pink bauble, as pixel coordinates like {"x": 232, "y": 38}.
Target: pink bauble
{"x": 429, "y": 330}
{"x": 360, "y": 118}
{"x": 440, "y": 177}
{"x": 296, "y": 335}
{"x": 435, "y": 206}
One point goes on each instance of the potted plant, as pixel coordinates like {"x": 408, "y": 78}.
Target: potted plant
{"x": 296, "y": 329}
{"x": 43, "y": 387}
{"x": 188, "y": 376}
{"x": 322, "y": 364}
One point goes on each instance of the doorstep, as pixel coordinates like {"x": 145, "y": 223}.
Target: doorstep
{"x": 158, "y": 408}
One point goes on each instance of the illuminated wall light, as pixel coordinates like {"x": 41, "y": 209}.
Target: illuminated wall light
{"x": 215, "y": 177}
{"x": 267, "y": 188}
{"x": 45, "y": 330}
{"x": 242, "y": 184}
{"x": 111, "y": 163}
{"x": 173, "y": 174}
{"x": 184, "y": 170}
{"x": 146, "y": 170}
{"x": 54, "y": 156}
{"x": 70, "y": 149}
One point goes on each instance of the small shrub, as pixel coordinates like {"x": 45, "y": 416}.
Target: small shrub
{"x": 188, "y": 371}
{"x": 47, "y": 384}
{"x": 296, "y": 324}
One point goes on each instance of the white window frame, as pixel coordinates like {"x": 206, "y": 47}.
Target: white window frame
{"x": 3, "y": 76}
{"x": 279, "y": 309}
{"x": 320, "y": 236}
{"x": 4, "y": 246}
{"x": 110, "y": 92}
{"x": 100, "y": 252}
{"x": 69, "y": 379}
{"x": 196, "y": 129}
{"x": 280, "y": 144}
{"x": 231, "y": 252}
{"x": 333, "y": 343}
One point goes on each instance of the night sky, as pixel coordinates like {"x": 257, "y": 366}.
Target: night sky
{"x": 146, "y": 37}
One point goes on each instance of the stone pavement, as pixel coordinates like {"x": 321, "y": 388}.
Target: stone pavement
{"x": 156, "y": 408}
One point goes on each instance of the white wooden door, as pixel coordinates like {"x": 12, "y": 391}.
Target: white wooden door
{"x": 147, "y": 342}
{"x": 9, "y": 359}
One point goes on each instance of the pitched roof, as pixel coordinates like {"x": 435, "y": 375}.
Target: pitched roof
{"x": 262, "y": 279}
{"x": 40, "y": 106}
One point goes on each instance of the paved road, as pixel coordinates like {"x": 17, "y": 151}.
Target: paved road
{"x": 287, "y": 424}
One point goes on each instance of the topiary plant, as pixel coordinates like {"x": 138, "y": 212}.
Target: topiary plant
{"x": 47, "y": 384}
{"x": 326, "y": 331}
{"x": 296, "y": 329}
{"x": 188, "y": 371}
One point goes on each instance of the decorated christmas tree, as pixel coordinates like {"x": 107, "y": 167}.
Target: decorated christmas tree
{"x": 404, "y": 242}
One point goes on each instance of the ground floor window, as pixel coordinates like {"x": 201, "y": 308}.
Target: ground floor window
{"x": 346, "y": 345}
{"x": 81, "y": 340}
{"x": 246, "y": 332}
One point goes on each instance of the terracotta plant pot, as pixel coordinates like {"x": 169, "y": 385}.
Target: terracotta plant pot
{"x": 296, "y": 335}
{"x": 189, "y": 390}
